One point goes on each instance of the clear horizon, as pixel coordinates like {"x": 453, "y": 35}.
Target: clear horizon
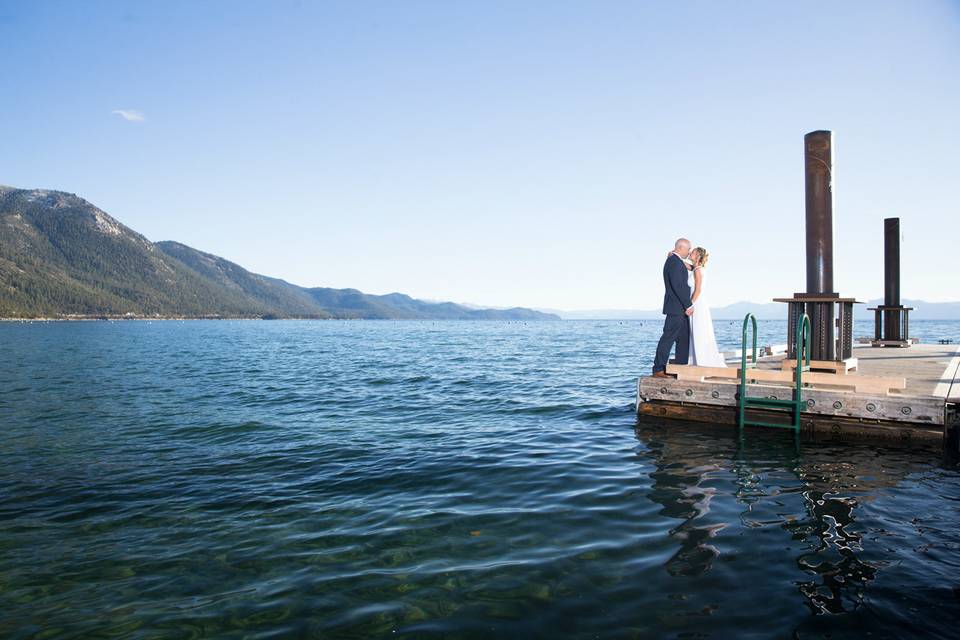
{"x": 541, "y": 155}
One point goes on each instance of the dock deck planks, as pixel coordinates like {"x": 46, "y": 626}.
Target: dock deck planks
{"x": 930, "y": 374}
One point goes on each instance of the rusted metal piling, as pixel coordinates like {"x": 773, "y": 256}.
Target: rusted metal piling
{"x": 891, "y": 261}
{"x": 818, "y": 177}
{"x": 826, "y": 309}
{"x": 892, "y": 319}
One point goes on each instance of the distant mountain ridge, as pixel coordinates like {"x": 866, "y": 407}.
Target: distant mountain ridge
{"x": 61, "y": 256}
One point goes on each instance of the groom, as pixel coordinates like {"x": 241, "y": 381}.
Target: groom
{"x": 677, "y": 307}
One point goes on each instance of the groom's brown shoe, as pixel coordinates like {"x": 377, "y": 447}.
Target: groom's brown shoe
{"x": 662, "y": 374}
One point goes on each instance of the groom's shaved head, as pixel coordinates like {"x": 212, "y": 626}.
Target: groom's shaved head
{"x": 682, "y": 247}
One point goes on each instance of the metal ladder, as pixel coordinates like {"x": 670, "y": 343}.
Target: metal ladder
{"x": 796, "y": 404}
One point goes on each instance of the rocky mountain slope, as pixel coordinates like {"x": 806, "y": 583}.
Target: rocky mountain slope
{"x": 62, "y": 256}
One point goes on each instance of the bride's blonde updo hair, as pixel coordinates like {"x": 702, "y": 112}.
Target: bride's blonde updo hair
{"x": 704, "y": 256}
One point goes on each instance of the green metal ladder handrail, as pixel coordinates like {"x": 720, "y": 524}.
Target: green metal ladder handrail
{"x": 795, "y": 405}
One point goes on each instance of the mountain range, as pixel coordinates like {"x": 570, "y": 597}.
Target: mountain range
{"x": 61, "y": 256}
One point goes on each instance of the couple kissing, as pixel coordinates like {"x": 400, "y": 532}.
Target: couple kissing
{"x": 688, "y": 323}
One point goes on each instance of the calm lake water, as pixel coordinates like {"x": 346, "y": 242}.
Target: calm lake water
{"x": 449, "y": 479}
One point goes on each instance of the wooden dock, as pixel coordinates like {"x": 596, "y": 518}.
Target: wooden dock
{"x": 903, "y": 393}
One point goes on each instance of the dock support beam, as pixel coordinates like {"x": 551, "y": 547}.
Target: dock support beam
{"x": 892, "y": 319}
{"x": 831, "y": 316}
{"x": 818, "y": 176}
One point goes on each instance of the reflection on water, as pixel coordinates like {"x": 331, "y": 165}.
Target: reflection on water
{"x": 821, "y": 501}
{"x": 682, "y": 489}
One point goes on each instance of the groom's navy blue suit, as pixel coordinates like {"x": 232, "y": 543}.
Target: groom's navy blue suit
{"x": 676, "y": 301}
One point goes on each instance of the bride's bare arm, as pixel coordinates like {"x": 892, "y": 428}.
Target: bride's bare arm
{"x": 697, "y": 280}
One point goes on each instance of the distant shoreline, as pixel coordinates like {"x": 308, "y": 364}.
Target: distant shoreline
{"x": 260, "y": 318}
{"x": 149, "y": 318}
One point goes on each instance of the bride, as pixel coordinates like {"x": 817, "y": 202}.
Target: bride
{"x": 703, "y": 342}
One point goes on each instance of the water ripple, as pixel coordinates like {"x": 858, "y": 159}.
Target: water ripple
{"x": 451, "y": 479}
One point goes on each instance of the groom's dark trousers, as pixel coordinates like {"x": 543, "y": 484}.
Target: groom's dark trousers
{"x": 676, "y": 301}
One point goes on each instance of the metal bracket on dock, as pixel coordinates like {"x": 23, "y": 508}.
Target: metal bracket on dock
{"x": 826, "y": 315}
{"x": 891, "y": 326}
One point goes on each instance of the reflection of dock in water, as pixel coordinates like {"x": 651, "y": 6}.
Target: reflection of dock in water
{"x": 760, "y": 506}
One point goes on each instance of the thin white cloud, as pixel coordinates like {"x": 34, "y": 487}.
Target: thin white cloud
{"x": 130, "y": 115}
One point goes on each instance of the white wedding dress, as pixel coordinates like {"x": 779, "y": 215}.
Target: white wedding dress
{"x": 703, "y": 341}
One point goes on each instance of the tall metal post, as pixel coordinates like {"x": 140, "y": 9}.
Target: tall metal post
{"x": 891, "y": 262}
{"x": 828, "y": 312}
{"x": 891, "y": 277}
{"x": 892, "y": 318}
{"x": 818, "y": 178}
{"x": 818, "y": 174}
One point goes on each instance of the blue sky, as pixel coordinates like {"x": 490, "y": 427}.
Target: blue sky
{"x": 520, "y": 153}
